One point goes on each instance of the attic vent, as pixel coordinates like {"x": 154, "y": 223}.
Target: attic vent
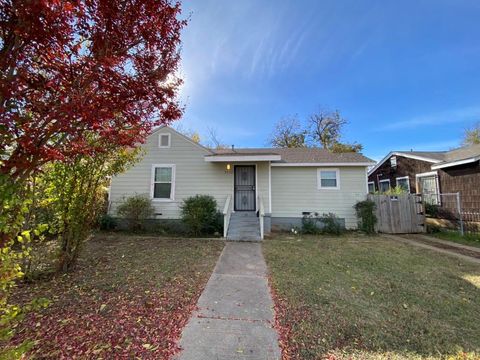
{"x": 164, "y": 141}
{"x": 393, "y": 161}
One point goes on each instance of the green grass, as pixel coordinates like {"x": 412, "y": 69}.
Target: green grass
{"x": 455, "y": 236}
{"x": 128, "y": 297}
{"x": 371, "y": 298}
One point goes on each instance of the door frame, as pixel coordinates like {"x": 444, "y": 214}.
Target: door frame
{"x": 254, "y": 165}
{"x": 434, "y": 174}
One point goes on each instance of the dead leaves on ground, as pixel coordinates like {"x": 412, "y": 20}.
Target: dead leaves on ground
{"x": 123, "y": 325}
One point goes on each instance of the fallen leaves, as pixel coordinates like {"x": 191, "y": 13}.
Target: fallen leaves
{"x": 124, "y": 327}
{"x": 117, "y": 315}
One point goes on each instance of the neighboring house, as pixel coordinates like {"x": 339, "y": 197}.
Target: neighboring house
{"x": 262, "y": 188}
{"x": 432, "y": 173}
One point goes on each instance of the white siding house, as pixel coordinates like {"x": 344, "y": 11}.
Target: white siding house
{"x": 298, "y": 189}
{"x": 279, "y": 185}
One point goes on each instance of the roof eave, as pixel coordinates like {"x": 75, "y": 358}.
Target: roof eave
{"x": 241, "y": 158}
{"x": 455, "y": 163}
{"x": 317, "y": 164}
{"x": 404, "y": 154}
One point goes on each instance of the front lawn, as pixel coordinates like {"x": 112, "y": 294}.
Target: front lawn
{"x": 129, "y": 298}
{"x": 358, "y": 297}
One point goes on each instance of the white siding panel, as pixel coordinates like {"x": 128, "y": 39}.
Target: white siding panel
{"x": 294, "y": 190}
{"x": 193, "y": 175}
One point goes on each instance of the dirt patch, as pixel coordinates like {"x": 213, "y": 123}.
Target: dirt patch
{"x": 453, "y": 248}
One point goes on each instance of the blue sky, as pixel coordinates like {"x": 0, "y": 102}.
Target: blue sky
{"x": 405, "y": 74}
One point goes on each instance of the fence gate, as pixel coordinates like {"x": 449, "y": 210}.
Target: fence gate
{"x": 399, "y": 214}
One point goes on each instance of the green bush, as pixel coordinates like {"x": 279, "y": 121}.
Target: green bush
{"x": 366, "y": 214}
{"x": 431, "y": 209}
{"x": 309, "y": 224}
{"x": 107, "y": 222}
{"x": 314, "y": 224}
{"x": 200, "y": 215}
{"x": 396, "y": 190}
{"x": 331, "y": 225}
{"x": 136, "y": 209}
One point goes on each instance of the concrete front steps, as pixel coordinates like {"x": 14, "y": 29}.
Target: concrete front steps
{"x": 244, "y": 226}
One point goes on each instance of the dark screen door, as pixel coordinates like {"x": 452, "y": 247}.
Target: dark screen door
{"x": 244, "y": 185}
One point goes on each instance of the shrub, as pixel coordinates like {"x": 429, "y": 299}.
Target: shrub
{"x": 107, "y": 222}
{"x": 366, "y": 214}
{"x": 396, "y": 190}
{"x": 431, "y": 209}
{"x": 309, "y": 224}
{"x": 200, "y": 215}
{"x": 136, "y": 209}
{"x": 331, "y": 225}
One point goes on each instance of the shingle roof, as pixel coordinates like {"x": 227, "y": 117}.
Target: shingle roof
{"x": 438, "y": 158}
{"x": 463, "y": 153}
{"x": 299, "y": 155}
{"x": 435, "y": 155}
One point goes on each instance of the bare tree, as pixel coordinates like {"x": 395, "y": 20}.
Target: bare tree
{"x": 472, "y": 135}
{"x": 288, "y": 133}
{"x": 214, "y": 140}
{"x": 326, "y": 127}
{"x": 192, "y": 134}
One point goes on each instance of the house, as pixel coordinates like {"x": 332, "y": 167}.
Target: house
{"x": 432, "y": 174}
{"x": 256, "y": 189}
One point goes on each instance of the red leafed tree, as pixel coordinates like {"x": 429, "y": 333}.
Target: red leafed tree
{"x": 69, "y": 68}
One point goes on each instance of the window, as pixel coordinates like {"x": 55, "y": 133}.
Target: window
{"x": 429, "y": 189}
{"x": 328, "y": 179}
{"x": 371, "y": 187}
{"x": 384, "y": 185}
{"x": 163, "y": 182}
{"x": 164, "y": 140}
{"x": 404, "y": 183}
{"x": 393, "y": 161}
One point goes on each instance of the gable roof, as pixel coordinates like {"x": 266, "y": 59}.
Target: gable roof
{"x": 428, "y": 156}
{"x": 439, "y": 159}
{"x": 157, "y": 129}
{"x": 297, "y": 156}
{"x": 282, "y": 156}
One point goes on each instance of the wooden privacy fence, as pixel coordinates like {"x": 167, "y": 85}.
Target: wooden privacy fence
{"x": 399, "y": 214}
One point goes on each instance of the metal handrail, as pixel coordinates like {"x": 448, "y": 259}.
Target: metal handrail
{"x": 261, "y": 211}
{"x": 227, "y": 213}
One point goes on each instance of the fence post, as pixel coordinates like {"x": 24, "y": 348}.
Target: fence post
{"x": 459, "y": 206}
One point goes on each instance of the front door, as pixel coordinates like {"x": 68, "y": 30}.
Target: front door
{"x": 244, "y": 188}
{"x": 428, "y": 187}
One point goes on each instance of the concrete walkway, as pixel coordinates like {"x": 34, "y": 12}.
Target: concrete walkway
{"x": 235, "y": 315}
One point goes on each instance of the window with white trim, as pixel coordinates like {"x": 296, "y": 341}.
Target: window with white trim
{"x": 164, "y": 140}
{"x": 328, "y": 179}
{"x": 403, "y": 183}
{"x": 163, "y": 182}
{"x": 371, "y": 187}
{"x": 384, "y": 185}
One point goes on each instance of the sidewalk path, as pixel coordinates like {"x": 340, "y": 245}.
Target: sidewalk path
{"x": 235, "y": 315}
